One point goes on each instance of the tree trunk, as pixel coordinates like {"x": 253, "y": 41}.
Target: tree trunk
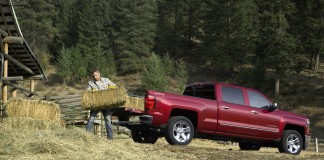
{"x": 311, "y": 61}
{"x": 277, "y": 84}
{"x": 316, "y": 64}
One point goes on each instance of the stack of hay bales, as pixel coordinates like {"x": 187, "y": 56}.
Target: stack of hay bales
{"x": 135, "y": 102}
{"x": 35, "y": 114}
{"x": 104, "y": 99}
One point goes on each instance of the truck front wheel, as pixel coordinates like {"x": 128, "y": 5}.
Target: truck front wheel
{"x": 291, "y": 142}
{"x": 144, "y": 136}
{"x": 179, "y": 131}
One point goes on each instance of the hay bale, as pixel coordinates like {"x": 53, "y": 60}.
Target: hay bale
{"x": 134, "y": 102}
{"x": 37, "y": 109}
{"x": 27, "y": 123}
{"x": 104, "y": 99}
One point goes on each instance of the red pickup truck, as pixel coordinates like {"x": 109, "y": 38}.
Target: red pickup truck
{"x": 222, "y": 112}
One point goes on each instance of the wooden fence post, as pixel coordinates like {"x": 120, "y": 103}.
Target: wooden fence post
{"x": 32, "y": 85}
{"x": 5, "y": 74}
{"x": 14, "y": 93}
{"x": 316, "y": 144}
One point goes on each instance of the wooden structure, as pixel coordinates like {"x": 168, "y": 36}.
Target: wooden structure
{"x": 74, "y": 115}
{"x": 18, "y": 62}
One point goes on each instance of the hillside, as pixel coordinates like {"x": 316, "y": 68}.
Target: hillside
{"x": 300, "y": 93}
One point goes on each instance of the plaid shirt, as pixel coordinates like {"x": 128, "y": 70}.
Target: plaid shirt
{"x": 104, "y": 83}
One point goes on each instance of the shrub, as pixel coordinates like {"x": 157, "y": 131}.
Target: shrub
{"x": 154, "y": 76}
{"x": 161, "y": 74}
{"x": 71, "y": 65}
{"x": 105, "y": 62}
{"x": 181, "y": 75}
{"x": 44, "y": 58}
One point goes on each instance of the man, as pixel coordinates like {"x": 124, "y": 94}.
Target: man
{"x": 100, "y": 83}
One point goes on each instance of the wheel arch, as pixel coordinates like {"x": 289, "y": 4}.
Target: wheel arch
{"x": 299, "y": 129}
{"x": 191, "y": 115}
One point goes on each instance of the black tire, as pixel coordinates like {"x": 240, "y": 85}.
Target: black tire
{"x": 249, "y": 146}
{"x": 144, "y": 136}
{"x": 291, "y": 142}
{"x": 179, "y": 131}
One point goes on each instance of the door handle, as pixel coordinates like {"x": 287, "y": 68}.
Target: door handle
{"x": 254, "y": 112}
{"x": 225, "y": 107}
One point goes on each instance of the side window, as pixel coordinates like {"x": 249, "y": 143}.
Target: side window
{"x": 201, "y": 91}
{"x": 232, "y": 95}
{"x": 257, "y": 100}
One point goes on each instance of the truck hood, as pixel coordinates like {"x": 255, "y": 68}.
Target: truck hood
{"x": 292, "y": 115}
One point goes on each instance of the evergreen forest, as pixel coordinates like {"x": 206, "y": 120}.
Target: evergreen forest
{"x": 173, "y": 41}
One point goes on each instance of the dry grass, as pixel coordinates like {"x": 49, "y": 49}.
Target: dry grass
{"x": 104, "y": 99}
{"x": 27, "y": 123}
{"x": 36, "y": 109}
{"x": 75, "y": 143}
{"x": 134, "y": 102}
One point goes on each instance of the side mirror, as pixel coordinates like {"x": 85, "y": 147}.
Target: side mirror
{"x": 273, "y": 107}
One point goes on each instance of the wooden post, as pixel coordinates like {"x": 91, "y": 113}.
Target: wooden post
{"x": 316, "y": 144}
{"x": 14, "y": 93}
{"x": 32, "y": 85}
{"x": 5, "y": 74}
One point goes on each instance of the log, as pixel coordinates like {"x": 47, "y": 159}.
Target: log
{"x": 19, "y": 87}
{"x": 18, "y": 63}
{"x": 65, "y": 97}
{"x": 17, "y": 78}
{"x": 13, "y": 40}
{"x": 36, "y": 77}
{"x": 3, "y": 33}
{"x": 70, "y": 100}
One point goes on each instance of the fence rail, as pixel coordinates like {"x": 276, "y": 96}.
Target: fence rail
{"x": 73, "y": 114}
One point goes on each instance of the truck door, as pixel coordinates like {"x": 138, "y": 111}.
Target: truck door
{"x": 234, "y": 115}
{"x": 264, "y": 123}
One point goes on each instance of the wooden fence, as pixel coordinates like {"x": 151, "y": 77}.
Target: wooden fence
{"x": 316, "y": 145}
{"x": 73, "y": 114}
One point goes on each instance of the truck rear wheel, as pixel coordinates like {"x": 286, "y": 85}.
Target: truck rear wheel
{"x": 144, "y": 136}
{"x": 179, "y": 131}
{"x": 291, "y": 142}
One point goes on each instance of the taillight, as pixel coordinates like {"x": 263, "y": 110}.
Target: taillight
{"x": 149, "y": 102}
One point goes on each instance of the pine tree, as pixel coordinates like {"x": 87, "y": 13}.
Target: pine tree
{"x": 276, "y": 45}
{"x": 181, "y": 75}
{"x": 133, "y": 33}
{"x": 66, "y": 24}
{"x": 96, "y": 58}
{"x": 154, "y": 76}
{"x": 178, "y": 27}
{"x": 229, "y": 33}
{"x": 71, "y": 65}
{"x": 310, "y": 15}
{"x": 36, "y": 23}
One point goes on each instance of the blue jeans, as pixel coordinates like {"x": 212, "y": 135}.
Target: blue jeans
{"x": 106, "y": 114}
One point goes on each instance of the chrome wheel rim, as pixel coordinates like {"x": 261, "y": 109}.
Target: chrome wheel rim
{"x": 293, "y": 143}
{"x": 181, "y": 131}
